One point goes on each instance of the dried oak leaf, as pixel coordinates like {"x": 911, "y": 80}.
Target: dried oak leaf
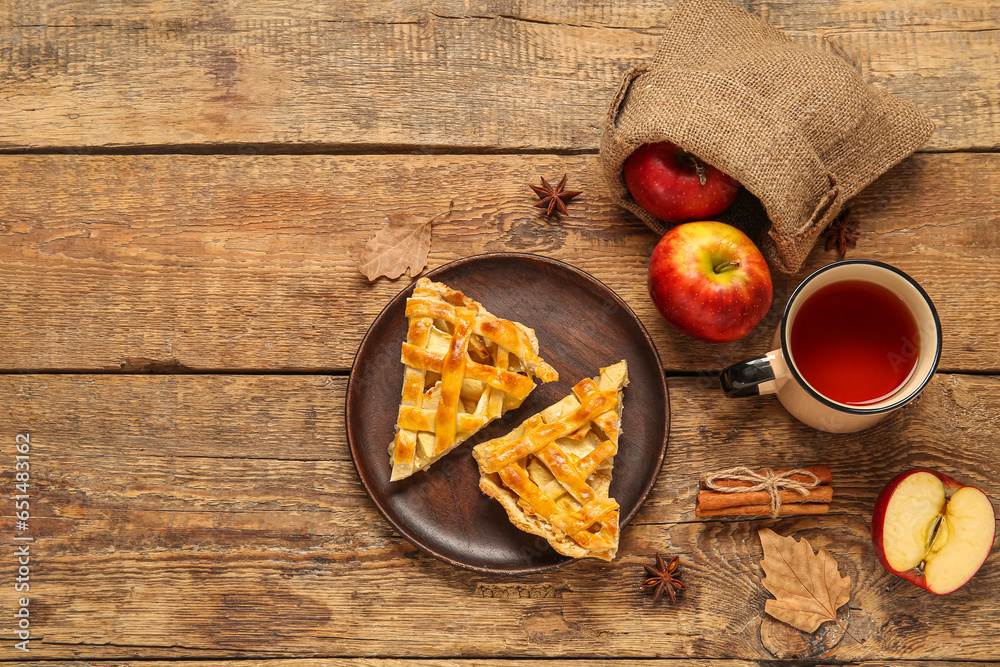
{"x": 807, "y": 586}
{"x": 398, "y": 246}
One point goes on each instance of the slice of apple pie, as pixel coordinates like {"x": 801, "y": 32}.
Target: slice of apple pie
{"x": 464, "y": 368}
{"x": 552, "y": 472}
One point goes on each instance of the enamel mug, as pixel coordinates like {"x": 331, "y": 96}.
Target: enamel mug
{"x": 777, "y": 373}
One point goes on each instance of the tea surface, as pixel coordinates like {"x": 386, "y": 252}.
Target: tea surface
{"x": 855, "y": 342}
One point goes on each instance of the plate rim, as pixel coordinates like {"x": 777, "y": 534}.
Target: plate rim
{"x": 404, "y": 532}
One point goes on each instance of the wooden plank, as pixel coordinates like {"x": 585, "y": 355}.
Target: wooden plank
{"x": 249, "y": 262}
{"x": 214, "y": 516}
{"x": 449, "y": 74}
{"x": 472, "y": 662}
{"x": 478, "y": 662}
{"x": 449, "y": 662}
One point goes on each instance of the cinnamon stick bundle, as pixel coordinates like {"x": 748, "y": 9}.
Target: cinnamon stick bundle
{"x": 785, "y": 492}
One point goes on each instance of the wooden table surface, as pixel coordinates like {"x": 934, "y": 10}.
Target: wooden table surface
{"x": 186, "y": 189}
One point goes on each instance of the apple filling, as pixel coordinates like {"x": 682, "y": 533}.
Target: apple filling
{"x": 911, "y": 518}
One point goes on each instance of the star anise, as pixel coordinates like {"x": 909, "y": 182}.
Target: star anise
{"x": 842, "y": 233}
{"x": 553, "y": 199}
{"x": 663, "y": 577}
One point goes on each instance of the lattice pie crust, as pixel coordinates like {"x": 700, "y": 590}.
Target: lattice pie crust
{"x": 464, "y": 368}
{"x": 552, "y": 472}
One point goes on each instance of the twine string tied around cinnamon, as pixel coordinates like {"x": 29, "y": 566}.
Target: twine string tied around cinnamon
{"x": 766, "y": 480}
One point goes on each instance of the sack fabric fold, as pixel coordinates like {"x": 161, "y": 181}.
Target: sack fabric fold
{"x": 798, "y": 128}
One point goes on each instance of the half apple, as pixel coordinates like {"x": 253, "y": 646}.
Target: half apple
{"x": 932, "y": 530}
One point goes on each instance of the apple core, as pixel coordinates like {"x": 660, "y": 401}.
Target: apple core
{"x": 910, "y": 520}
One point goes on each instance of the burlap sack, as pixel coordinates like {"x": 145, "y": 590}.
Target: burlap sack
{"x": 798, "y": 128}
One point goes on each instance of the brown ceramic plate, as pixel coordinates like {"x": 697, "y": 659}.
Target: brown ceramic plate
{"x": 581, "y": 326}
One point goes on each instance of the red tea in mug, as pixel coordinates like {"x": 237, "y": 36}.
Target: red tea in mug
{"x": 855, "y": 342}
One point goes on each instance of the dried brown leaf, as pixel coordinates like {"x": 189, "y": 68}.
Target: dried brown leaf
{"x": 807, "y": 587}
{"x": 400, "y": 245}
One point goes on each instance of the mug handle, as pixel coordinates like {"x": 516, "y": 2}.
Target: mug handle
{"x": 753, "y": 377}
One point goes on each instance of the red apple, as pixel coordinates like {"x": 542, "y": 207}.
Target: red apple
{"x": 674, "y": 185}
{"x": 931, "y": 530}
{"x": 709, "y": 280}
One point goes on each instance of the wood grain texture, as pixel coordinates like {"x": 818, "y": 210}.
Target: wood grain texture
{"x": 511, "y": 75}
{"x": 170, "y": 263}
{"x": 210, "y": 514}
{"x": 218, "y": 517}
{"x": 458, "y": 662}
{"x": 427, "y": 662}
{"x": 474, "y": 662}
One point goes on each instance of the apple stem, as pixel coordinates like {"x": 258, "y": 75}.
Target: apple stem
{"x": 699, "y": 168}
{"x": 726, "y": 266}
